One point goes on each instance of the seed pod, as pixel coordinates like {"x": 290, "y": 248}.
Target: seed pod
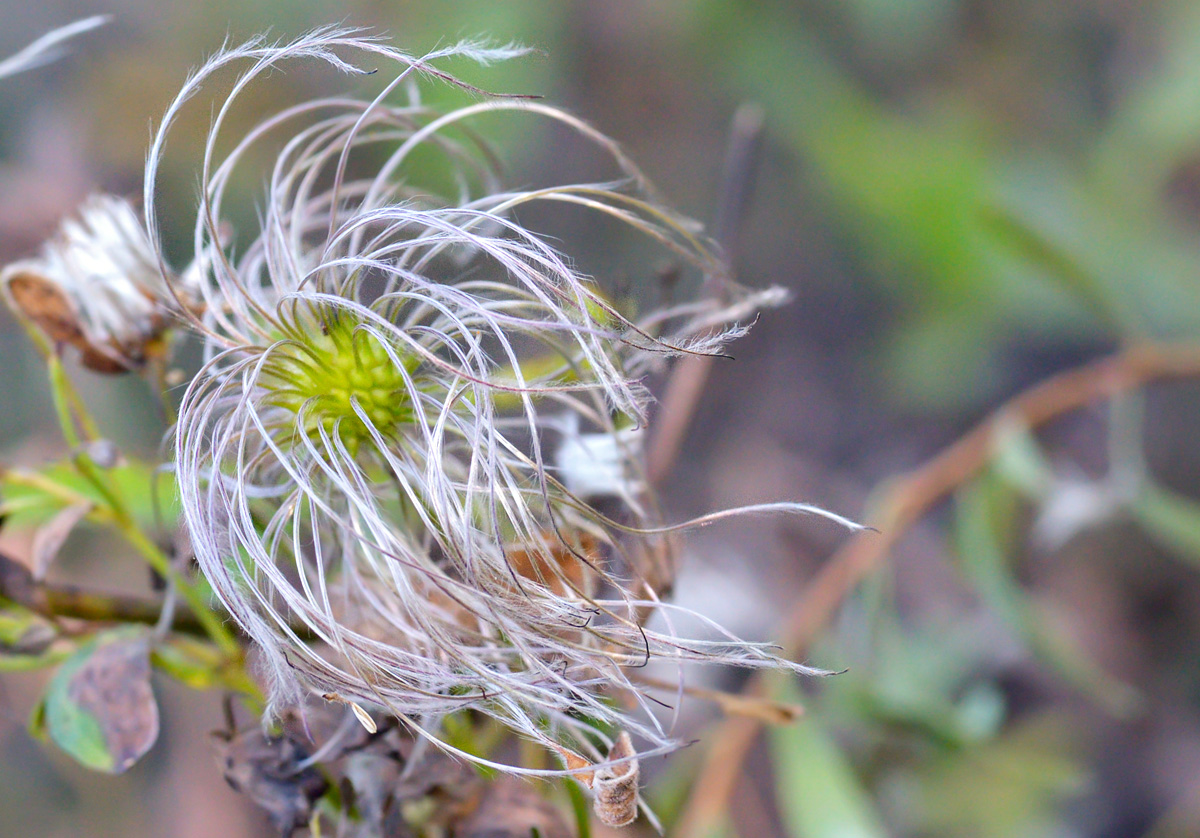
{"x": 364, "y": 718}
{"x": 95, "y": 286}
{"x": 615, "y": 788}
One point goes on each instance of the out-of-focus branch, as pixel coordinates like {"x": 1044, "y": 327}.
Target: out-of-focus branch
{"x": 17, "y": 585}
{"x": 737, "y": 182}
{"x": 906, "y": 501}
{"x": 690, "y": 374}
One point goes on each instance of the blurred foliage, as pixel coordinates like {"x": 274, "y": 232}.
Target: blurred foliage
{"x": 984, "y": 236}
{"x": 977, "y": 229}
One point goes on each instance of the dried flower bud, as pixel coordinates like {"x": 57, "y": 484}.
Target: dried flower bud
{"x": 103, "y": 452}
{"x": 615, "y": 787}
{"x": 96, "y": 286}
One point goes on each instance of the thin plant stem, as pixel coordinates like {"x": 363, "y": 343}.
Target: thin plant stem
{"x": 690, "y": 375}
{"x": 191, "y": 592}
{"x": 65, "y": 396}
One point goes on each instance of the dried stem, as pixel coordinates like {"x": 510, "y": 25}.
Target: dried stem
{"x": 905, "y": 503}
{"x": 54, "y": 601}
{"x": 690, "y": 374}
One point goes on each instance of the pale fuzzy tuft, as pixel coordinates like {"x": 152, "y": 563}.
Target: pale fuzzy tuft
{"x": 96, "y": 286}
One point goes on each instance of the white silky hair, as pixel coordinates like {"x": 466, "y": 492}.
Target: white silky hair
{"x": 48, "y": 47}
{"x": 377, "y": 560}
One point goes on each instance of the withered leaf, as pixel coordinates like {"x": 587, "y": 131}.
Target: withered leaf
{"x": 453, "y": 783}
{"x": 100, "y": 708}
{"x": 556, "y": 566}
{"x": 574, "y": 761}
{"x": 47, "y": 307}
{"x": 372, "y": 777}
{"x": 391, "y": 780}
{"x": 512, "y": 808}
{"x": 615, "y": 789}
{"x": 44, "y": 304}
{"x": 50, "y": 536}
{"x": 269, "y": 771}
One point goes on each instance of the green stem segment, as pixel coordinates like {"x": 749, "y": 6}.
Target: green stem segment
{"x": 70, "y": 408}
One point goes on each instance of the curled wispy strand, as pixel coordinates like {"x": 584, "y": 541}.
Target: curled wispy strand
{"x": 48, "y": 47}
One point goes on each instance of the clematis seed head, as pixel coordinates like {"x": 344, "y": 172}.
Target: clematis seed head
{"x": 410, "y": 399}
{"x": 337, "y": 379}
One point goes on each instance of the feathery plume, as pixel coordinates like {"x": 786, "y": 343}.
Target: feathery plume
{"x": 384, "y": 464}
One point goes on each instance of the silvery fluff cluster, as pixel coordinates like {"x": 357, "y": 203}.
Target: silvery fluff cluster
{"x": 97, "y": 286}
{"x": 411, "y": 465}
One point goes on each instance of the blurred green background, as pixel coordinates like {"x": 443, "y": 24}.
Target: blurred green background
{"x": 964, "y": 197}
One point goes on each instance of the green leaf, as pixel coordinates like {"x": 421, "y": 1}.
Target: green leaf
{"x": 99, "y": 706}
{"x": 1171, "y": 519}
{"x": 818, "y": 792}
{"x": 920, "y": 680}
{"x": 1015, "y": 784}
{"x": 188, "y": 661}
{"x": 1032, "y": 240}
{"x": 980, "y": 510}
{"x": 136, "y": 482}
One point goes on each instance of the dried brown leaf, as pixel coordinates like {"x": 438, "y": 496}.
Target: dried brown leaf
{"x": 269, "y": 771}
{"x": 513, "y": 808}
{"x": 50, "y": 536}
{"x": 47, "y": 307}
{"x": 556, "y": 566}
{"x": 574, "y": 761}
{"x": 44, "y": 304}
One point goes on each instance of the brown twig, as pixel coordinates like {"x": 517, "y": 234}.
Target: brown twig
{"x": 54, "y": 601}
{"x": 763, "y": 708}
{"x": 690, "y": 374}
{"x": 906, "y": 502}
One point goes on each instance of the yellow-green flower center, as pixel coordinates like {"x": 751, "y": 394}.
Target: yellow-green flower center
{"x": 338, "y": 378}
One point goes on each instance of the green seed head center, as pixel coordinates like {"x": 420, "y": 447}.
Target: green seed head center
{"x": 341, "y": 380}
